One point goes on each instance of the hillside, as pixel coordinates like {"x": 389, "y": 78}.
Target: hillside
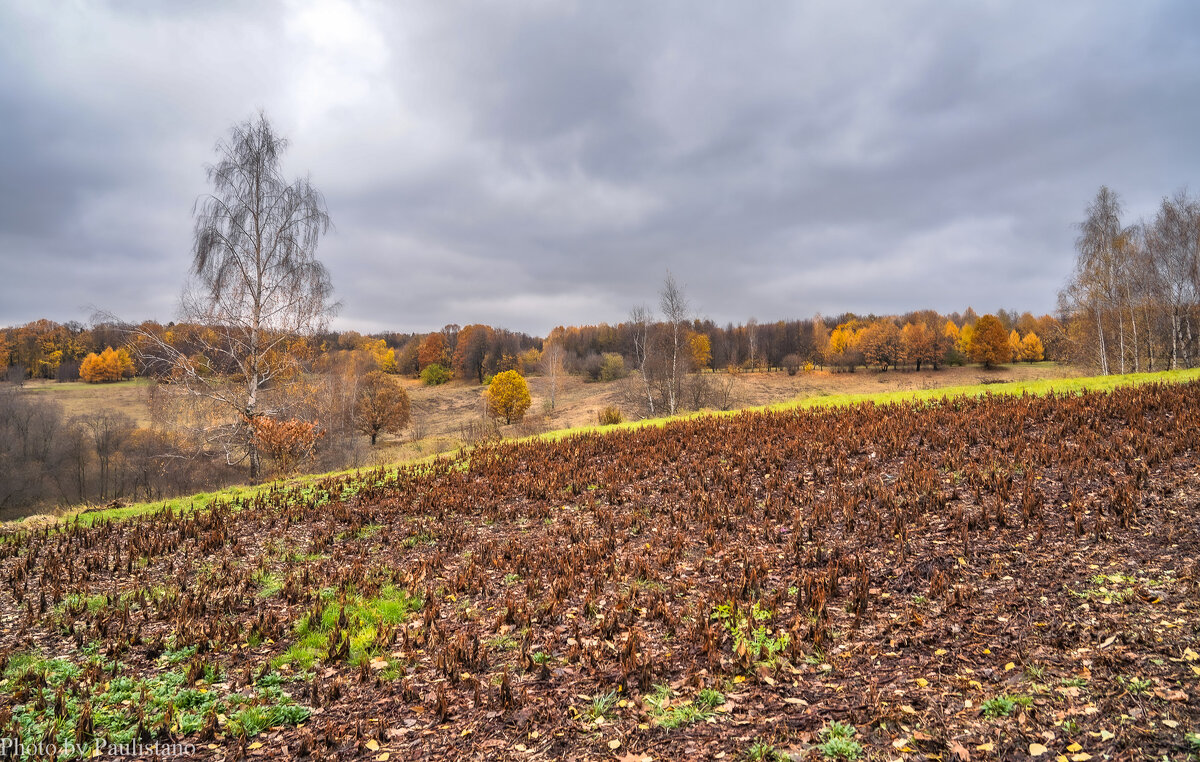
{"x": 968, "y": 578}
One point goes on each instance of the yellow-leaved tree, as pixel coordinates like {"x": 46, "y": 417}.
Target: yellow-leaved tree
{"x": 1032, "y": 349}
{"x": 383, "y": 355}
{"x": 1014, "y": 345}
{"x": 701, "y": 348}
{"x": 110, "y": 365}
{"x": 508, "y": 396}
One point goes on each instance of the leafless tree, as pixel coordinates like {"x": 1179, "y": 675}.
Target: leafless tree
{"x": 107, "y": 430}
{"x": 1101, "y": 272}
{"x": 256, "y": 288}
{"x": 725, "y": 386}
{"x": 1173, "y": 246}
{"x": 675, "y": 309}
{"x": 642, "y": 321}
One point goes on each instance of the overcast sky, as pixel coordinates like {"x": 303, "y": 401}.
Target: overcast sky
{"x": 528, "y": 164}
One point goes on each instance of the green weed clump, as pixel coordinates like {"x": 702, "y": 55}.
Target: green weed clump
{"x": 750, "y": 633}
{"x": 52, "y": 704}
{"x": 671, "y": 716}
{"x": 839, "y": 742}
{"x": 357, "y": 629}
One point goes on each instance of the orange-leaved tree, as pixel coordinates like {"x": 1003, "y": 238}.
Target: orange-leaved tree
{"x": 508, "y": 396}
{"x": 110, "y": 365}
{"x": 287, "y": 441}
{"x": 433, "y": 351}
{"x": 382, "y": 405}
{"x": 989, "y": 342}
{"x": 919, "y": 344}
{"x": 880, "y": 343}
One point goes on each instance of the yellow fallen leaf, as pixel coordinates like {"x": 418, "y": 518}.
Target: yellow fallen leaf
{"x": 1172, "y": 724}
{"x": 384, "y": 757}
{"x": 985, "y": 746}
{"x": 255, "y": 745}
{"x": 1082, "y": 756}
{"x": 614, "y": 744}
{"x": 940, "y": 652}
{"x": 739, "y": 679}
{"x": 1074, "y": 747}
{"x": 373, "y": 745}
{"x": 1037, "y": 750}
{"x": 1107, "y": 735}
{"x": 922, "y": 682}
{"x": 1009, "y": 667}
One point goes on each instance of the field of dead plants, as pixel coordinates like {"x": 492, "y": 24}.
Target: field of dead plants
{"x": 972, "y": 579}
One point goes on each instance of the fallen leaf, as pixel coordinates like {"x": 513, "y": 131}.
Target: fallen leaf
{"x": 1009, "y": 667}
{"x": 384, "y": 757}
{"x": 255, "y": 745}
{"x": 1074, "y": 747}
{"x": 959, "y": 751}
{"x": 1082, "y": 756}
{"x": 614, "y": 744}
{"x": 1037, "y": 750}
{"x": 985, "y": 746}
{"x": 373, "y": 745}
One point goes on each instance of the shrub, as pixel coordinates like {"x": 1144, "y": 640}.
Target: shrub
{"x": 435, "y": 374}
{"x": 609, "y": 416}
{"x": 791, "y": 363}
{"x": 612, "y": 367}
{"x": 508, "y": 396}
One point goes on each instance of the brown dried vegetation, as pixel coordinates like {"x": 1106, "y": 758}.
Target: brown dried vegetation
{"x": 891, "y": 567}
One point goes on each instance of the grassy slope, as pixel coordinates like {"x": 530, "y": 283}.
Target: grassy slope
{"x": 1040, "y": 387}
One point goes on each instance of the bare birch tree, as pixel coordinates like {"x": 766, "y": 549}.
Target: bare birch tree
{"x": 642, "y": 321}
{"x": 1173, "y": 243}
{"x": 256, "y": 289}
{"x": 675, "y": 309}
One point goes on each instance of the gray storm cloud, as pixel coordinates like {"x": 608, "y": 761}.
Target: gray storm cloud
{"x": 527, "y": 164}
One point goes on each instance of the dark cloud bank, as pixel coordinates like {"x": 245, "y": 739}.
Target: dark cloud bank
{"x": 533, "y": 163}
